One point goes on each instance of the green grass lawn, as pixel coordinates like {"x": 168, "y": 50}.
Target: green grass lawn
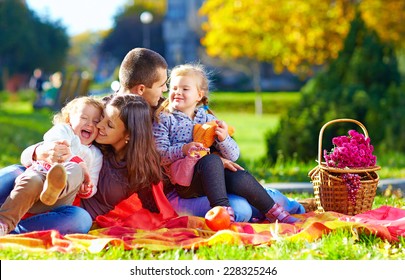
{"x": 238, "y": 110}
{"x": 20, "y": 127}
{"x": 249, "y": 132}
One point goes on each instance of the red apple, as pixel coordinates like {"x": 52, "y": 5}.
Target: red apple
{"x": 217, "y": 218}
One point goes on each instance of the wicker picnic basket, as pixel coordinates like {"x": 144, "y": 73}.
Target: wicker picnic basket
{"x": 330, "y": 190}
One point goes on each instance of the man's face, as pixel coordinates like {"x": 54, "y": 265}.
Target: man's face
{"x": 153, "y": 94}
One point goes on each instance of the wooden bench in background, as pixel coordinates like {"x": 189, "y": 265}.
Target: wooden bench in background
{"x": 74, "y": 85}
{"x": 77, "y": 84}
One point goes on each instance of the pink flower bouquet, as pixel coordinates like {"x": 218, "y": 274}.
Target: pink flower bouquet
{"x": 353, "y": 151}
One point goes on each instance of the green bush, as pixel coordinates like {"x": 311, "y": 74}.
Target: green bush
{"x": 20, "y": 127}
{"x": 362, "y": 84}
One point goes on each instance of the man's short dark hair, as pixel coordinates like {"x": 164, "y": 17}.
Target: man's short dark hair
{"x": 140, "y": 66}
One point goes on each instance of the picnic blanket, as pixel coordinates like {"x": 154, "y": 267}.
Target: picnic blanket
{"x": 130, "y": 227}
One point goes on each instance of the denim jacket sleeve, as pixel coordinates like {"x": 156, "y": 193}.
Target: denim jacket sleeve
{"x": 161, "y": 131}
{"x": 228, "y": 148}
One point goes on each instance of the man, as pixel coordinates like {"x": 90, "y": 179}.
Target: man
{"x": 144, "y": 72}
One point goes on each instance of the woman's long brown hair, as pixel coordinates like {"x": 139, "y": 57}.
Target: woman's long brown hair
{"x": 143, "y": 162}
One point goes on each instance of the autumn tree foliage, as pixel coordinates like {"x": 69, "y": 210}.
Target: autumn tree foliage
{"x": 354, "y": 41}
{"x": 294, "y": 34}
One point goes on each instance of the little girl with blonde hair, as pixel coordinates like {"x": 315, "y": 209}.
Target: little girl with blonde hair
{"x": 74, "y": 174}
{"x": 76, "y": 123}
{"x": 186, "y": 106}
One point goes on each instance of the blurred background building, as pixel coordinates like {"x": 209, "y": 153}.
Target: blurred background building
{"x": 181, "y": 35}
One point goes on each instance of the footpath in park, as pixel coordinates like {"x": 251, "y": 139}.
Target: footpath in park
{"x": 306, "y": 187}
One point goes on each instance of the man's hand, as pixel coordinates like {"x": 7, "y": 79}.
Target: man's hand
{"x": 233, "y": 166}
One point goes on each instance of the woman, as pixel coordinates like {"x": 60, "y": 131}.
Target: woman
{"x": 126, "y": 140}
{"x": 130, "y": 160}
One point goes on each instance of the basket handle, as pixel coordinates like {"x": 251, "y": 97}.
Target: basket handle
{"x": 331, "y": 122}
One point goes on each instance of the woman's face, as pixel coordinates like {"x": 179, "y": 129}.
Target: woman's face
{"x": 112, "y": 130}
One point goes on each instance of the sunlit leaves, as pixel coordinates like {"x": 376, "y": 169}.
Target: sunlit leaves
{"x": 387, "y": 18}
{"x": 293, "y": 34}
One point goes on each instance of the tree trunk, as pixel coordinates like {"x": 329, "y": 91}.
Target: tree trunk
{"x": 257, "y": 88}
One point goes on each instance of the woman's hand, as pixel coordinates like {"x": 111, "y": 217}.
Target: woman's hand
{"x": 87, "y": 184}
{"x": 54, "y": 152}
{"x": 233, "y": 166}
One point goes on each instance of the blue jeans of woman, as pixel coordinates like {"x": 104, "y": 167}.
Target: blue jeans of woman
{"x": 75, "y": 219}
{"x": 244, "y": 212}
{"x": 66, "y": 219}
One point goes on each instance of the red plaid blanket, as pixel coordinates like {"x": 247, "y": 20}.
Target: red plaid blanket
{"x": 130, "y": 226}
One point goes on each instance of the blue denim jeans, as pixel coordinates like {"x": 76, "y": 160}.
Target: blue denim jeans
{"x": 66, "y": 219}
{"x": 213, "y": 185}
{"x": 199, "y": 206}
{"x": 244, "y": 212}
{"x": 7, "y": 178}
{"x": 75, "y": 219}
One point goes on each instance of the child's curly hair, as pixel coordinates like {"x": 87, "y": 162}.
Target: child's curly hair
{"x": 70, "y": 108}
